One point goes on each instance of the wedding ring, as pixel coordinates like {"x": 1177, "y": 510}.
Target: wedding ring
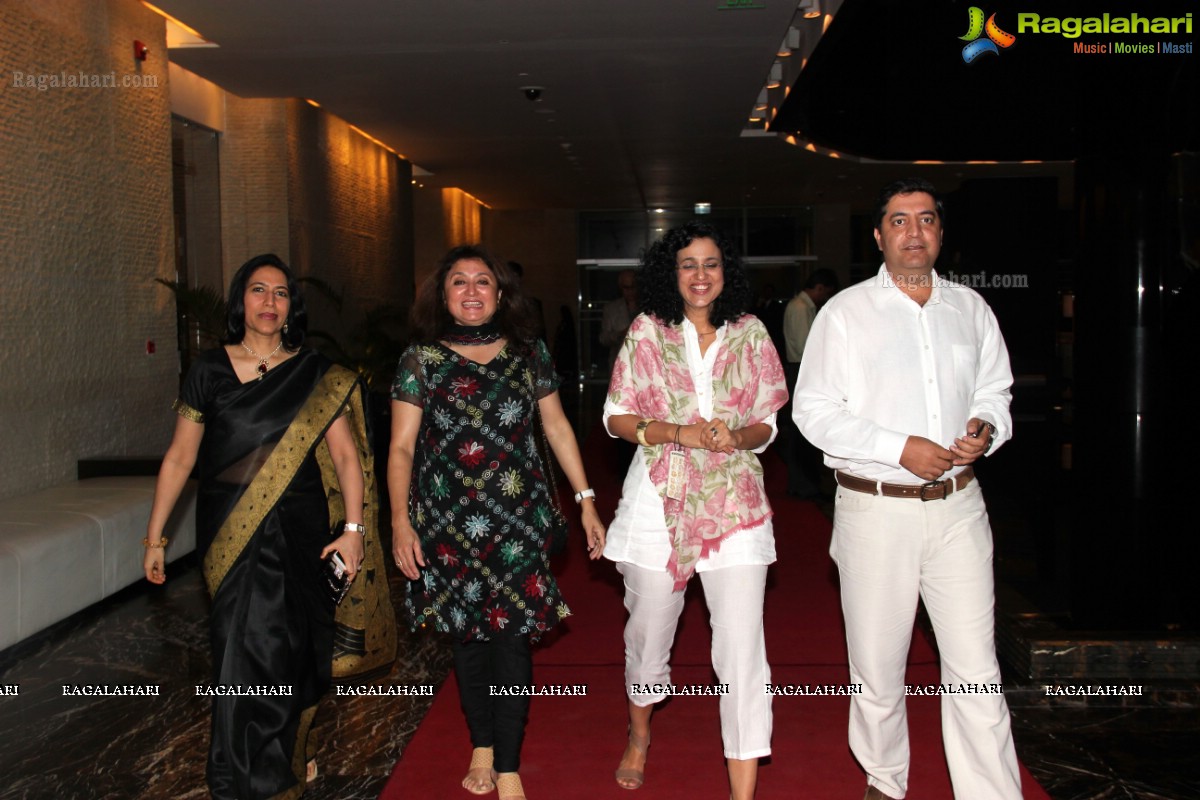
{"x": 714, "y": 431}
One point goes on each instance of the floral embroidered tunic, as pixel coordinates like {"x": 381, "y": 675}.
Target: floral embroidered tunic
{"x": 478, "y": 496}
{"x": 652, "y": 379}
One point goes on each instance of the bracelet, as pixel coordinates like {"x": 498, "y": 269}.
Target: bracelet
{"x": 677, "y": 427}
{"x": 162, "y": 542}
{"x": 585, "y": 494}
{"x": 354, "y": 526}
{"x": 641, "y": 431}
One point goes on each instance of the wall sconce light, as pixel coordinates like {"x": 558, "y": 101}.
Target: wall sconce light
{"x": 140, "y": 51}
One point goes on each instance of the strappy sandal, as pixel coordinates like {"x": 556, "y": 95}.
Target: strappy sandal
{"x": 627, "y": 777}
{"x": 509, "y": 786}
{"x": 480, "y": 779}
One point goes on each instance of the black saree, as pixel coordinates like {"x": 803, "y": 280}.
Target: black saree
{"x": 268, "y": 493}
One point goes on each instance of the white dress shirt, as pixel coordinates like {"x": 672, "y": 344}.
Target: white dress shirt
{"x": 638, "y": 533}
{"x": 797, "y": 322}
{"x": 879, "y": 368}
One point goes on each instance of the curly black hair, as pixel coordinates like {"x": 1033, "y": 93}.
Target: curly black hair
{"x": 659, "y": 286}
{"x": 235, "y": 323}
{"x": 430, "y": 320}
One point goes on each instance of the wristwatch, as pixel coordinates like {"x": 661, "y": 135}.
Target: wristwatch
{"x": 354, "y": 526}
{"x": 991, "y": 435}
{"x": 585, "y": 494}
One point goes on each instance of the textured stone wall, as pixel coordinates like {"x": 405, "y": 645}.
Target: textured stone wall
{"x": 85, "y": 227}
{"x": 254, "y": 182}
{"x": 349, "y": 206}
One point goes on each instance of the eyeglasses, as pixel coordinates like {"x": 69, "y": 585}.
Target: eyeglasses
{"x": 690, "y": 264}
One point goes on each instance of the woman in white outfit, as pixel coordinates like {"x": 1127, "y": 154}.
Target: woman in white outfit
{"x": 696, "y": 385}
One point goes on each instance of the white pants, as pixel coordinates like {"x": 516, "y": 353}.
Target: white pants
{"x": 889, "y": 550}
{"x": 739, "y": 653}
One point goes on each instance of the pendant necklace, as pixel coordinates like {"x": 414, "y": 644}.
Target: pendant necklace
{"x": 262, "y": 360}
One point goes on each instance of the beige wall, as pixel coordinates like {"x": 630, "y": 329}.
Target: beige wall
{"x": 85, "y": 227}
{"x": 443, "y": 218}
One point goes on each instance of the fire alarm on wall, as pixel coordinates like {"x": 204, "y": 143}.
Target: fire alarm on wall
{"x": 140, "y": 51}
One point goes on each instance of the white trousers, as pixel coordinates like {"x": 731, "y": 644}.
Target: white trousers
{"x": 889, "y": 551}
{"x": 739, "y": 653}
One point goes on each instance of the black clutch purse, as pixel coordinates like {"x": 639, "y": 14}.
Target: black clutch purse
{"x": 335, "y": 579}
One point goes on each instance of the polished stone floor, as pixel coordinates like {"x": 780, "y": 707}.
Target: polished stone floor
{"x": 77, "y": 748}
{"x": 118, "y": 748}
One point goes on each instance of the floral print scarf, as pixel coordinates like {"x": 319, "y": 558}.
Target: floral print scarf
{"x": 724, "y": 492}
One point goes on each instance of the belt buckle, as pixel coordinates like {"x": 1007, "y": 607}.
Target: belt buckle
{"x": 931, "y": 485}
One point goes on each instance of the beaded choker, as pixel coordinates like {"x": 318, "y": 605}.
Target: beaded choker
{"x": 486, "y": 333}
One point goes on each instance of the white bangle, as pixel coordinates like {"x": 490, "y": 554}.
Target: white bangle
{"x": 354, "y": 526}
{"x": 586, "y": 493}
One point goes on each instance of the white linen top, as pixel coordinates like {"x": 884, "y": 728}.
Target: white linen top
{"x": 879, "y": 368}
{"x": 638, "y": 533}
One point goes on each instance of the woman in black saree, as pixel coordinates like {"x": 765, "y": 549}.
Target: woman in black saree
{"x": 279, "y": 435}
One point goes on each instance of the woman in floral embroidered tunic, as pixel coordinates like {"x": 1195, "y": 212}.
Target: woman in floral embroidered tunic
{"x": 471, "y": 512}
{"x": 697, "y": 385}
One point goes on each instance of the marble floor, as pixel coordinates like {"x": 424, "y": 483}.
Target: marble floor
{"x": 79, "y": 748}
{"x": 117, "y": 748}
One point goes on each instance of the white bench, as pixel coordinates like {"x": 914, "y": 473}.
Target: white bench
{"x": 64, "y": 548}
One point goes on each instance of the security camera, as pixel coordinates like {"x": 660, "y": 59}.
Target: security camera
{"x": 532, "y": 93}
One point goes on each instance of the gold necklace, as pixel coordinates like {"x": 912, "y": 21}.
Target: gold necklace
{"x": 262, "y": 360}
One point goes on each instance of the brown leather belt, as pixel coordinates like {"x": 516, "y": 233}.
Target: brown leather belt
{"x": 934, "y": 490}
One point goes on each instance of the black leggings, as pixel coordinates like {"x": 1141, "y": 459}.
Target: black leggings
{"x": 495, "y": 720}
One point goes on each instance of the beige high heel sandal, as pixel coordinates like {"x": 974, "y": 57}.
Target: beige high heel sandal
{"x": 627, "y": 777}
{"x": 508, "y": 784}
{"x": 479, "y": 778}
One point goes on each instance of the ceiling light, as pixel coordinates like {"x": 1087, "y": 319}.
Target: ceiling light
{"x": 776, "y": 76}
{"x": 703, "y": 208}
{"x": 791, "y": 41}
{"x": 811, "y": 9}
{"x": 761, "y": 105}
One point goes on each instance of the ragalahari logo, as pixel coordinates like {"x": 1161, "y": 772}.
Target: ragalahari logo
{"x": 976, "y": 27}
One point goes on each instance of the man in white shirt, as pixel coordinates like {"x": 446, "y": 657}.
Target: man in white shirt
{"x": 904, "y": 384}
{"x": 803, "y": 461}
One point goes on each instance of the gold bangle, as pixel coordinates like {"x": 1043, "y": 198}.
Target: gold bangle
{"x": 641, "y": 431}
{"x": 162, "y": 542}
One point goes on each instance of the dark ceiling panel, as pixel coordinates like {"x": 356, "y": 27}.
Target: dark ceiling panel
{"x": 889, "y": 81}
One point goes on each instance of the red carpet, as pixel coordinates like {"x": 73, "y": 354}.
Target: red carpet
{"x": 573, "y": 744}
